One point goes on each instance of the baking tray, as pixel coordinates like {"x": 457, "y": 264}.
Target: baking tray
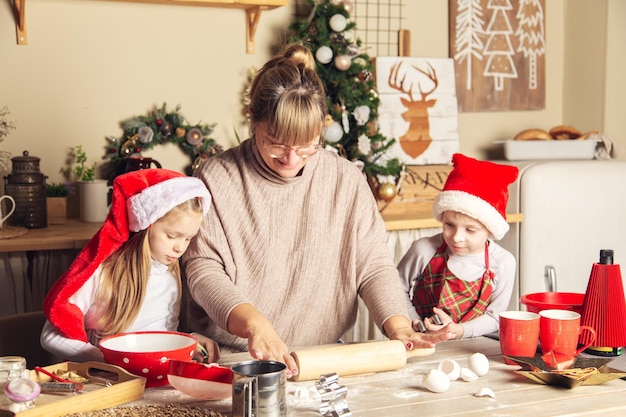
{"x": 531, "y": 150}
{"x": 125, "y": 387}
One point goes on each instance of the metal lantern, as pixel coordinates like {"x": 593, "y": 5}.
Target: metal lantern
{"x": 27, "y": 185}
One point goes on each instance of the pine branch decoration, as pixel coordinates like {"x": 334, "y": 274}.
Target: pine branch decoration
{"x": 161, "y": 126}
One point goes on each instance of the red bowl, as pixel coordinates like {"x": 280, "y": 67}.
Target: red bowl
{"x": 548, "y": 300}
{"x": 202, "y": 381}
{"x": 148, "y": 354}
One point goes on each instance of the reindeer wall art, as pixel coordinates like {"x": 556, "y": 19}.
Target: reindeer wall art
{"x": 418, "y": 108}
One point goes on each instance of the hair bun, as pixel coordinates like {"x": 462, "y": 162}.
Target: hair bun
{"x": 299, "y": 54}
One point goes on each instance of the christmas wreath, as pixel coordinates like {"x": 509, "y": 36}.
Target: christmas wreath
{"x": 162, "y": 126}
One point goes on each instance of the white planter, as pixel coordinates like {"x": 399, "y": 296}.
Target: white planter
{"x": 94, "y": 205}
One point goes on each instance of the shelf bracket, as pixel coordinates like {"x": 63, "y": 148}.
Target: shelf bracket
{"x": 253, "y": 15}
{"x": 19, "y": 10}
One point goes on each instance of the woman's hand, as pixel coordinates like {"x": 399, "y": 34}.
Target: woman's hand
{"x": 446, "y": 321}
{"x": 399, "y": 328}
{"x": 207, "y": 348}
{"x": 263, "y": 341}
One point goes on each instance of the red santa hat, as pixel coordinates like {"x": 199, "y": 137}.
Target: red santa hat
{"x": 478, "y": 189}
{"x": 139, "y": 199}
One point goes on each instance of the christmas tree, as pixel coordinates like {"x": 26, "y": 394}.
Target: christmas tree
{"x": 352, "y": 100}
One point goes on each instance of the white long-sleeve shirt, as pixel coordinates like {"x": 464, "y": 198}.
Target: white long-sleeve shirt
{"x": 468, "y": 268}
{"x": 159, "y": 312}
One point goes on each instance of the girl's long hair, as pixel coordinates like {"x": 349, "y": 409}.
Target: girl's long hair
{"x": 124, "y": 277}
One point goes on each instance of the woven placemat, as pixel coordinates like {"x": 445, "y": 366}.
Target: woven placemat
{"x": 9, "y": 232}
{"x": 161, "y": 410}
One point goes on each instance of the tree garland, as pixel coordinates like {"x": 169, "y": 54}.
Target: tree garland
{"x": 162, "y": 126}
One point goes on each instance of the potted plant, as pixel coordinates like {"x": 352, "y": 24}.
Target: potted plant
{"x": 79, "y": 169}
{"x": 56, "y": 202}
{"x": 93, "y": 193}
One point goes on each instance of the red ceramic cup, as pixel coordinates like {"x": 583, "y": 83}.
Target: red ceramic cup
{"x": 519, "y": 334}
{"x": 559, "y": 332}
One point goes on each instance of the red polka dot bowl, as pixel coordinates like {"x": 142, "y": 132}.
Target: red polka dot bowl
{"x": 148, "y": 353}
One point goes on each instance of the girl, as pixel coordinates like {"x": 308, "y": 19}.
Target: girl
{"x": 461, "y": 274}
{"x": 127, "y": 278}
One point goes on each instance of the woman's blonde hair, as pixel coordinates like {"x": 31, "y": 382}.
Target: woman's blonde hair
{"x": 124, "y": 277}
{"x": 290, "y": 96}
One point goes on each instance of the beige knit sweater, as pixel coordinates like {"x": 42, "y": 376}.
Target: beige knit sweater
{"x": 299, "y": 249}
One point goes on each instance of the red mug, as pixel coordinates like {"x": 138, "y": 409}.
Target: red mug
{"x": 559, "y": 332}
{"x": 519, "y": 334}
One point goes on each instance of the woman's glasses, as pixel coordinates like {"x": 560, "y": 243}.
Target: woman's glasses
{"x": 278, "y": 151}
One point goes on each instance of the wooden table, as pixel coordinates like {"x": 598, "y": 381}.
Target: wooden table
{"x": 401, "y": 394}
{"x": 74, "y": 234}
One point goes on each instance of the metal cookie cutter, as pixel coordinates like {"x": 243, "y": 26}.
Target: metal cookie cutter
{"x": 420, "y": 327}
{"x": 435, "y": 318}
{"x": 334, "y": 403}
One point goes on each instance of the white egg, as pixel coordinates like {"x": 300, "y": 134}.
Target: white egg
{"x": 451, "y": 368}
{"x": 436, "y": 381}
{"x": 478, "y": 363}
{"x": 485, "y": 392}
{"x": 468, "y": 376}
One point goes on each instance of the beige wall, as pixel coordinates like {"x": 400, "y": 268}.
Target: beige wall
{"x": 89, "y": 64}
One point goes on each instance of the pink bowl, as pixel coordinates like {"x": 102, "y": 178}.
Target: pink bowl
{"x": 201, "y": 381}
{"x": 549, "y": 300}
{"x": 148, "y": 354}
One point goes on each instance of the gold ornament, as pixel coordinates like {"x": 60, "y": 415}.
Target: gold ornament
{"x": 387, "y": 191}
{"x": 128, "y": 148}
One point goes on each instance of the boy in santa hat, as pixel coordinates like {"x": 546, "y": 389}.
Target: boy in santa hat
{"x": 127, "y": 278}
{"x": 461, "y": 274}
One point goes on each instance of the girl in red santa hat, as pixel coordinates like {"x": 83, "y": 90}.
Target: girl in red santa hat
{"x": 127, "y": 278}
{"x": 461, "y": 275}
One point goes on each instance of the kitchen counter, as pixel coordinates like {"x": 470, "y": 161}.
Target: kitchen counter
{"x": 400, "y": 393}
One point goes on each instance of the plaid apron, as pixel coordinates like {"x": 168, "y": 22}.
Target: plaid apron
{"x": 439, "y": 287}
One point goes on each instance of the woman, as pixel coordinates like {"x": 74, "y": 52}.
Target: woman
{"x": 295, "y": 235}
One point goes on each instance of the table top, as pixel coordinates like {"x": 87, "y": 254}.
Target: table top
{"x": 400, "y": 393}
{"x": 74, "y": 234}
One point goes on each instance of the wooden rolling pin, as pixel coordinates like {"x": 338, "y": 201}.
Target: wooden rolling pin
{"x": 353, "y": 358}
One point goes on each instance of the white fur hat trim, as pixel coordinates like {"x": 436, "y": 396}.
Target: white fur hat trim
{"x": 472, "y": 206}
{"x": 156, "y": 201}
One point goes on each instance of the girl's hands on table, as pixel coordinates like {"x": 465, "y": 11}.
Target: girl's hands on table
{"x": 207, "y": 348}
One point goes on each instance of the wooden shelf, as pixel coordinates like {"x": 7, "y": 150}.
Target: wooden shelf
{"x": 424, "y": 220}
{"x": 253, "y": 9}
{"x": 74, "y": 234}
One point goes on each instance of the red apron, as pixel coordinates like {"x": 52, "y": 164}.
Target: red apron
{"x": 439, "y": 287}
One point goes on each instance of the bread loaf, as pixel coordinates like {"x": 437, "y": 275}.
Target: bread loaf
{"x": 564, "y": 132}
{"x": 533, "y": 134}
